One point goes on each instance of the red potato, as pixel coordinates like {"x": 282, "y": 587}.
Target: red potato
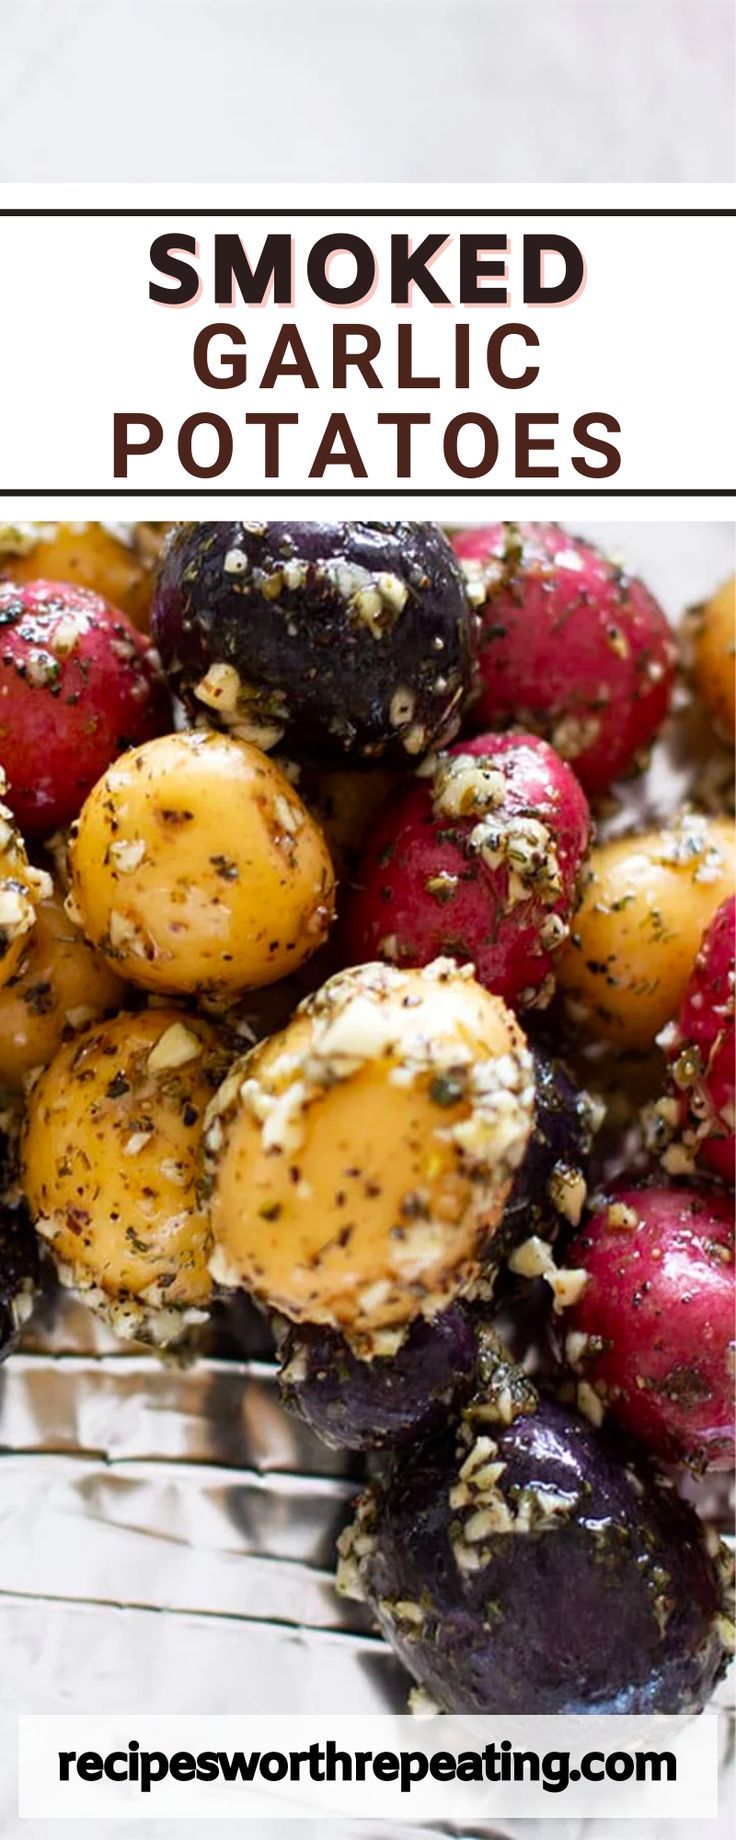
{"x": 78, "y": 684}
{"x": 652, "y": 1335}
{"x": 479, "y": 863}
{"x": 701, "y": 1049}
{"x": 570, "y": 646}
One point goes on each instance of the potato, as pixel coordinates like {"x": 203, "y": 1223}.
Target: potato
{"x": 710, "y": 644}
{"x": 376, "y": 1405}
{"x": 550, "y": 1186}
{"x": 110, "y": 1163}
{"x": 700, "y": 1044}
{"x": 345, "y": 802}
{"x": 360, "y": 1161}
{"x": 480, "y": 860}
{"x": 645, "y": 904}
{"x": 21, "y": 889}
{"x": 535, "y": 1567}
{"x": 196, "y": 868}
{"x": 353, "y": 641}
{"x": 571, "y": 646}
{"x": 19, "y": 1274}
{"x": 58, "y": 985}
{"x": 78, "y": 684}
{"x": 652, "y": 1331}
{"x": 116, "y": 560}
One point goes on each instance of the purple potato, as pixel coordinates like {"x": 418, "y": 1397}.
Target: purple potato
{"x": 549, "y": 1187}
{"x": 19, "y": 1274}
{"x": 537, "y": 1567}
{"x": 391, "y": 1400}
{"x": 354, "y": 641}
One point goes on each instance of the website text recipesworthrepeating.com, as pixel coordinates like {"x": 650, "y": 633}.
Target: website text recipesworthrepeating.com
{"x": 379, "y": 1766}
{"x": 495, "y": 1763}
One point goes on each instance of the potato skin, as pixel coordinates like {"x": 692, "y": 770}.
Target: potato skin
{"x": 58, "y": 985}
{"x": 394, "y": 1399}
{"x": 196, "y": 868}
{"x": 353, "y": 641}
{"x": 481, "y": 860}
{"x": 360, "y": 1160}
{"x": 21, "y": 889}
{"x": 570, "y": 646}
{"x": 110, "y": 1159}
{"x": 646, "y": 901}
{"x": 19, "y": 1274}
{"x": 540, "y": 1569}
{"x": 653, "y": 1330}
{"x": 345, "y": 801}
{"x": 114, "y": 561}
{"x": 550, "y": 1187}
{"x": 710, "y": 652}
{"x": 78, "y": 684}
{"x": 379, "y": 1404}
{"x": 701, "y": 1053}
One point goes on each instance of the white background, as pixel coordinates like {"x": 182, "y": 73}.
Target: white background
{"x": 370, "y": 89}
{"x": 650, "y": 340}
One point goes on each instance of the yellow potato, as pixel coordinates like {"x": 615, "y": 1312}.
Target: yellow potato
{"x": 58, "y": 985}
{"x": 710, "y": 635}
{"x": 21, "y": 889}
{"x": 345, "y": 803}
{"x": 110, "y": 1160}
{"x": 114, "y": 560}
{"x": 645, "y": 905}
{"x": 361, "y": 1159}
{"x": 195, "y": 867}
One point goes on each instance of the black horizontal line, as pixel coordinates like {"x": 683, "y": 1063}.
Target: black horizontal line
{"x": 349, "y": 211}
{"x": 396, "y": 491}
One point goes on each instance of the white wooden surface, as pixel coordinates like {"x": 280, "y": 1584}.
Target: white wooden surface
{"x": 367, "y": 89}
